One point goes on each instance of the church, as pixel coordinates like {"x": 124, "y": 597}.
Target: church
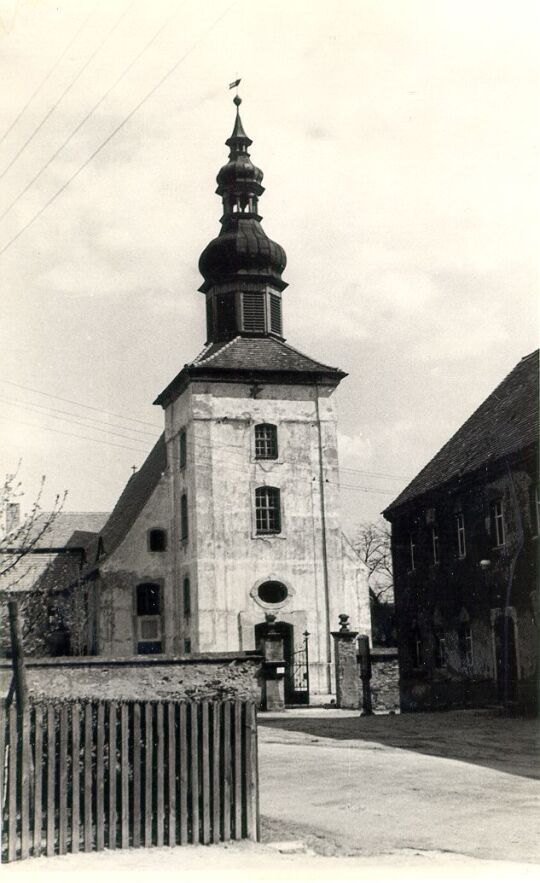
{"x": 235, "y": 512}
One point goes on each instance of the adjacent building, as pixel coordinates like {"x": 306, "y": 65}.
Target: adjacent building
{"x": 465, "y": 543}
{"x": 235, "y": 513}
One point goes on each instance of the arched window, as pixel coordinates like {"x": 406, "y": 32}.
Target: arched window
{"x": 266, "y": 446}
{"x": 184, "y": 524}
{"x": 148, "y": 608}
{"x": 182, "y": 448}
{"x": 267, "y": 510}
{"x": 187, "y": 596}
{"x": 157, "y": 540}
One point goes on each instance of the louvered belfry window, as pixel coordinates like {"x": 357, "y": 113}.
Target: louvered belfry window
{"x": 266, "y": 445}
{"x": 275, "y": 314}
{"x": 267, "y": 510}
{"x": 253, "y": 311}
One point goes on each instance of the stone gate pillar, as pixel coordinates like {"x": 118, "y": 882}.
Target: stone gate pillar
{"x": 347, "y": 675}
{"x": 273, "y": 671}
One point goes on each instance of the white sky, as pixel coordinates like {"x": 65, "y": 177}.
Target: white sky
{"x": 399, "y": 142}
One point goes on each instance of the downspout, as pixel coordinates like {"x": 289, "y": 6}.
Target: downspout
{"x": 324, "y": 549}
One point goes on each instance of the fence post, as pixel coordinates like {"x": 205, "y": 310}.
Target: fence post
{"x": 347, "y": 681}
{"x": 364, "y": 659}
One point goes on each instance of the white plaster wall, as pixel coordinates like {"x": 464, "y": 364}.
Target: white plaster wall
{"x": 132, "y": 562}
{"x": 223, "y": 556}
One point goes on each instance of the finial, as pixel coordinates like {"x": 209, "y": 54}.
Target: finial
{"x": 237, "y": 100}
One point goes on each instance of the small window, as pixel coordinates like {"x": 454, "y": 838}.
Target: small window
{"x": 460, "y": 535}
{"x": 412, "y": 552}
{"x": 186, "y": 592}
{"x": 266, "y": 446}
{"x": 272, "y": 592}
{"x": 435, "y": 544}
{"x": 440, "y": 650}
{"x": 158, "y": 540}
{"x": 253, "y": 311}
{"x": 184, "y": 523}
{"x": 267, "y": 510}
{"x": 187, "y": 646}
{"x": 275, "y": 314}
{"x": 182, "y": 448}
{"x": 149, "y": 618}
{"x": 148, "y": 599}
{"x": 497, "y": 521}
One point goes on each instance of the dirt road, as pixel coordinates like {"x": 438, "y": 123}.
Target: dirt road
{"x": 367, "y": 795}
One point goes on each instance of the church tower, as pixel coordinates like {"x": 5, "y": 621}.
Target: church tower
{"x": 250, "y": 435}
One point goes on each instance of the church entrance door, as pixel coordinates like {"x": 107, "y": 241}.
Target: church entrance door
{"x": 296, "y": 681}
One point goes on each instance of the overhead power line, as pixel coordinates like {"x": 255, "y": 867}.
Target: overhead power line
{"x": 49, "y": 74}
{"x": 79, "y": 404}
{"x": 87, "y": 117}
{"x": 378, "y": 474}
{"x": 66, "y": 90}
{"x": 74, "y": 419}
{"x": 99, "y": 441}
{"x": 117, "y": 129}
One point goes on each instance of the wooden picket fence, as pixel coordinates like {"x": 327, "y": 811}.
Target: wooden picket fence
{"x": 90, "y": 776}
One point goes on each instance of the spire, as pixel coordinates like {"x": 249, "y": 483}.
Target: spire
{"x": 242, "y": 267}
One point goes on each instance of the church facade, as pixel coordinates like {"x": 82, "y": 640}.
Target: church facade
{"x": 235, "y": 513}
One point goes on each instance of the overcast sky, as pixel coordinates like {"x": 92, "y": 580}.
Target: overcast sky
{"x": 399, "y": 142}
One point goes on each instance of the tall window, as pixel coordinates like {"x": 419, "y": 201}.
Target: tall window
{"x": 187, "y": 596}
{"x": 466, "y": 644}
{"x": 148, "y": 606}
{"x": 416, "y": 649}
{"x": 497, "y": 521}
{"x": 184, "y": 523}
{"x": 266, "y": 446}
{"x": 440, "y": 649}
{"x": 460, "y": 535}
{"x": 412, "y": 552}
{"x": 435, "y": 544}
{"x": 182, "y": 448}
{"x": 267, "y": 510}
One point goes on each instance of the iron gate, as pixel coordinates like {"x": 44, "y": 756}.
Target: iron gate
{"x": 299, "y": 673}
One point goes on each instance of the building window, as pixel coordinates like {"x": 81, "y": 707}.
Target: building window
{"x": 460, "y": 535}
{"x": 157, "y": 540}
{"x": 275, "y": 314}
{"x": 497, "y": 520}
{"x": 412, "y": 552}
{"x": 417, "y": 649}
{"x": 182, "y": 448}
{"x": 534, "y": 509}
{"x": 466, "y": 645}
{"x": 266, "y": 446}
{"x": 149, "y": 618}
{"x": 186, "y": 592}
{"x": 435, "y": 544}
{"x": 184, "y": 522}
{"x": 253, "y": 311}
{"x": 440, "y": 650}
{"x": 272, "y": 592}
{"x": 187, "y": 646}
{"x": 267, "y": 510}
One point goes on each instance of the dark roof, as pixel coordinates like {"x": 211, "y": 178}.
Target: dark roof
{"x": 134, "y": 497}
{"x": 261, "y": 358}
{"x": 504, "y": 424}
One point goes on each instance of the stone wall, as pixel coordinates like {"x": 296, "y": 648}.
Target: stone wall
{"x": 384, "y": 679}
{"x": 209, "y": 676}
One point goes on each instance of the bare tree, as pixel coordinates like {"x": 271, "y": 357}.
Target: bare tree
{"x": 372, "y": 544}
{"x": 20, "y": 539}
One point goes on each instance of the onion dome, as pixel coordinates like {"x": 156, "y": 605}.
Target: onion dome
{"x": 242, "y": 254}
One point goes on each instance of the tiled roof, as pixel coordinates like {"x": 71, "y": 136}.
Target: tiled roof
{"x": 505, "y": 423}
{"x": 69, "y": 530}
{"x": 264, "y": 356}
{"x": 256, "y": 353}
{"x": 134, "y": 497}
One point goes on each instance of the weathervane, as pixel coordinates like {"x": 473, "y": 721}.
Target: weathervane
{"x": 237, "y": 100}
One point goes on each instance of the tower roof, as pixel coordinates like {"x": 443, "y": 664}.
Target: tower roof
{"x": 242, "y": 250}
